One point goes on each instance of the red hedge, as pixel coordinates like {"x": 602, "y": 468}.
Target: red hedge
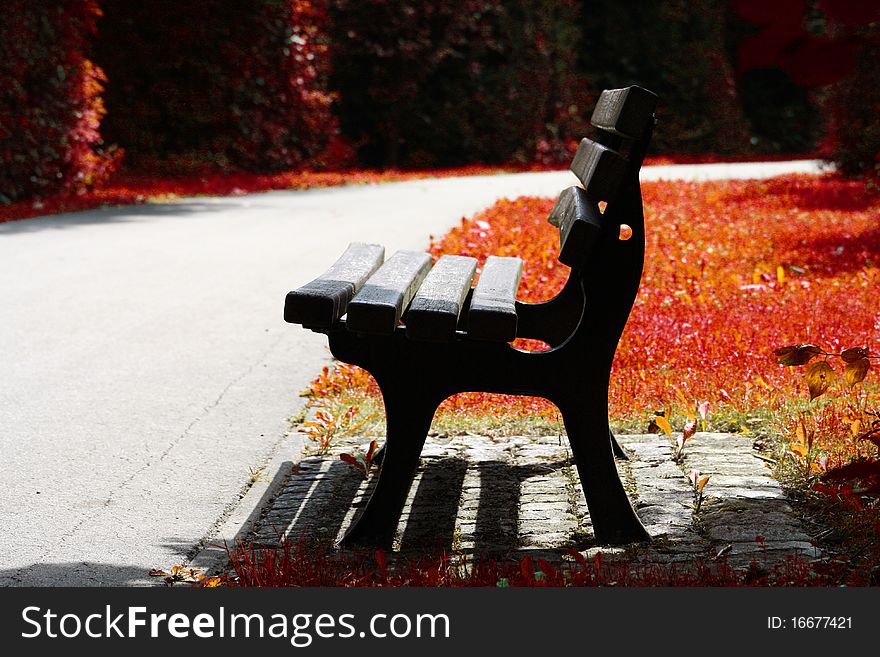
{"x": 216, "y": 82}
{"x": 50, "y": 105}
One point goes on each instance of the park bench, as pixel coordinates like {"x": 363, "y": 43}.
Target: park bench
{"x": 425, "y": 333}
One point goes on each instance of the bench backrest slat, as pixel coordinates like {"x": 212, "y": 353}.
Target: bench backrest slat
{"x": 323, "y": 301}
{"x": 600, "y": 170}
{"x": 492, "y": 314}
{"x": 624, "y": 112}
{"x": 377, "y": 308}
{"x": 579, "y": 223}
{"x": 436, "y": 307}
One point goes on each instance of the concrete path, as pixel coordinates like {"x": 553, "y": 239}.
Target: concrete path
{"x": 145, "y": 371}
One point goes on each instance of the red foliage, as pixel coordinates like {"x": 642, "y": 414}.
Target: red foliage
{"x": 851, "y": 13}
{"x": 784, "y": 41}
{"x": 712, "y": 305}
{"x": 865, "y": 472}
{"x": 218, "y": 82}
{"x": 50, "y": 105}
{"x": 766, "y": 13}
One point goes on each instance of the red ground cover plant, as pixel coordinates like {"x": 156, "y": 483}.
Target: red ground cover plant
{"x": 733, "y": 270}
{"x": 299, "y": 563}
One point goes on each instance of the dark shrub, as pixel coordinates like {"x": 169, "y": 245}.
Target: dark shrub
{"x": 831, "y": 46}
{"x": 783, "y": 116}
{"x": 50, "y": 105}
{"x": 675, "y": 48}
{"x": 428, "y": 83}
{"x": 218, "y": 82}
{"x": 853, "y": 105}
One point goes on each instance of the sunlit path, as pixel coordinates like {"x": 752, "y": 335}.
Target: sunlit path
{"x": 146, "y": 369}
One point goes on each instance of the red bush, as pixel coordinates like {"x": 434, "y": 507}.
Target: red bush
{"x": 218, "y": 82}
{"x": 50, "y": 105}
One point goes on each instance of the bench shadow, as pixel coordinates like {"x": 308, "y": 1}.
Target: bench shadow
{"x": 318, "y": 499}
{"x": 497, "y": 527}
{"x": 444, "y": 501}
{"x": 312, "y": 505}
{"x": 432, "y": 515}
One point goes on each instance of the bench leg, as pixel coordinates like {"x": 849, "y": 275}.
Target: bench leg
{"x": 407, "y": 423}
{"x": 617, "y": 449}
{"x": 614, "y": 520}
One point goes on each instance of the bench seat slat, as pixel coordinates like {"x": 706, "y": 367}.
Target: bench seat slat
{"x": 579, "y": 223}
{"x": 492, "y": 314}
{"x": 322, "y": 301}
{"x": 377, "y": 308}
{"x": 436, "y": 307}
{"x": 624, "y": 112}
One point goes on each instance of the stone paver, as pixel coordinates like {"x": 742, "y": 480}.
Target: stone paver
{"x": 521, "y": 495}
{"x": 743, "y": 502}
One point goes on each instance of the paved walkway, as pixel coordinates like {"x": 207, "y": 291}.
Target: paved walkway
{"x": 146, "y": 372}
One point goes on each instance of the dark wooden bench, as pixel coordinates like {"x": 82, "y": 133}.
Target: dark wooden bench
{"x": 424, "y": 333}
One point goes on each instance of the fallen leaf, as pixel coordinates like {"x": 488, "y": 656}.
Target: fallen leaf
{"x": 800, "y": 432}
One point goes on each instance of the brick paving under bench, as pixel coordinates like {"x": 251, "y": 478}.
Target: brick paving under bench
{"x": 521, "y": 495}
